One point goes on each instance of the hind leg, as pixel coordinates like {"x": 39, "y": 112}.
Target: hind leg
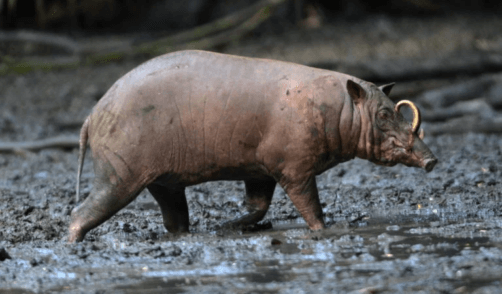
{"x": 103, "y": 202}
{"x": 173, "y": 204}
{"x": 258, "y": 198}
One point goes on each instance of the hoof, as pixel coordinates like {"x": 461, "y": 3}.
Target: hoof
{"x": 230, "y": 226}
{"x": 317, "y": 227}
{"x": 75, "y": 235}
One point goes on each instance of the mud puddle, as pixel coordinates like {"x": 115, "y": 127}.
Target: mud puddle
{"x": 344, "y": 254}
{"x": 373, "y": 255}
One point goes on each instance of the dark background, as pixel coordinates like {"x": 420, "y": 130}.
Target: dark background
{"x": 98, "y": 16}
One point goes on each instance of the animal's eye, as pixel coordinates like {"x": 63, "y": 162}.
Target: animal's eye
{"x": 384, "y": 114}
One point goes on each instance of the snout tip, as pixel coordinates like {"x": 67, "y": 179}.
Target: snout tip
{"x": 430, "y": 163}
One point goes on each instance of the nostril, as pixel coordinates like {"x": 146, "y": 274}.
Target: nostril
{"x": 430, "y": 163}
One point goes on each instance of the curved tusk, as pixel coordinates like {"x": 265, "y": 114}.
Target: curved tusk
{"x": 415, "y": 125}
{"x": 421, "y": 134}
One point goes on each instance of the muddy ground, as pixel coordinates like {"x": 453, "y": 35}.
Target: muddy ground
{"x": 391, "y": 229}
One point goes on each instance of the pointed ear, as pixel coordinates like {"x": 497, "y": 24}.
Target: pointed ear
{"x": 356, "y": 92}
{"x": 386, "y": 88}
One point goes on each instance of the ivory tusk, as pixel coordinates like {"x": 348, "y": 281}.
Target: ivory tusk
{"x": 415, "y": 125}
{"x": 421, "y": 134}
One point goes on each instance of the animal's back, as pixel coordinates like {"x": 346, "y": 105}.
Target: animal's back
{"x": 194, "y": 114}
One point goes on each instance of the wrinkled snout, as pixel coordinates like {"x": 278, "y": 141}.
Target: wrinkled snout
{"x": 430, "y": 163}
{"x": 423, "y": 155}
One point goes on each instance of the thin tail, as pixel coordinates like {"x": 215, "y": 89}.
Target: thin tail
{"x": 81, "y": 153}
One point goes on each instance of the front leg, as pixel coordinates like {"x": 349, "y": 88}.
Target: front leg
{"x": 303, "y": 193}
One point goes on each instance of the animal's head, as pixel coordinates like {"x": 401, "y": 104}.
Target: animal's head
{"x": 386, "y": 137}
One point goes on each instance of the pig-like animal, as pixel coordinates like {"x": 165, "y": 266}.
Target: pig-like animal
{"x": 190, "y": 117}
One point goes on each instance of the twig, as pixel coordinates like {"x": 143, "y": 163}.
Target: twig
{"x": 56, "y": 142}
{"x": 41, "y": 38}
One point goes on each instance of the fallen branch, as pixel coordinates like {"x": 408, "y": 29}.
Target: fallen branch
{"x": 221, "y": 24}
{"x": 467, "y": 124}
{"x": 54, "y": 40}
{"x": 243, "y": 22}
{"x": 169, "y": 45}
{"x": 462, "y": 108}
{"x": 10, "y": 65}
{"x": 56, "y": 142}
{"x": 408, "y": 69}
{"x": 465, "y": 90}
{"x": 162, "y": 47}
